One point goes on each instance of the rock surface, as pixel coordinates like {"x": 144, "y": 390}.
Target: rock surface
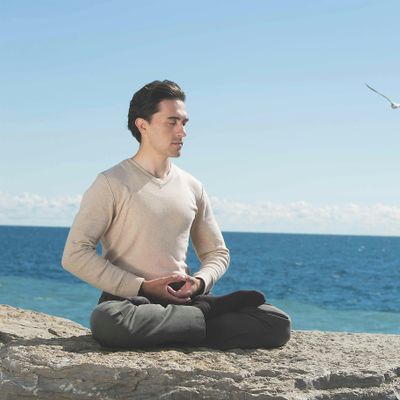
{"x": 46, "y": 357}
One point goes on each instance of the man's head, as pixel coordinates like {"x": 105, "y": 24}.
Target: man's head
{"x": 146, "y": 102}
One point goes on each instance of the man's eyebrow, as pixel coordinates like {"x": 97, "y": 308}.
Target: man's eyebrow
{"x": 177, "y": 118}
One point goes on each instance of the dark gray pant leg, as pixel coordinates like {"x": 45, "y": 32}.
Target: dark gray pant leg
{"x": 265, "y": 326}
{"x": 121, "y": 324}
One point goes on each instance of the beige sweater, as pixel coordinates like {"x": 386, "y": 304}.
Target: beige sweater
{"x": 144, "y": 224}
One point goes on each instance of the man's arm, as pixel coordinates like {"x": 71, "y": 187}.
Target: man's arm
{"x": 95, "y": 216}
{"x": 209, "y": 245}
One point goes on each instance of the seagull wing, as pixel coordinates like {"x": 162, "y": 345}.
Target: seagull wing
{"x": 387, "y": 98}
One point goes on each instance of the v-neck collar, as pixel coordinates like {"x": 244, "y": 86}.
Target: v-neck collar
{"x": 159, "y": 181}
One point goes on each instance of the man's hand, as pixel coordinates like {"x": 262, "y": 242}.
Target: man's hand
{"x": 191, "y": 287}
{"x": 159, "y": 289}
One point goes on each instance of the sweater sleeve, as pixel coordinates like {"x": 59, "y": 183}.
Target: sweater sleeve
{"x": 93, "y": 219}
{"x": 209, "y": 244}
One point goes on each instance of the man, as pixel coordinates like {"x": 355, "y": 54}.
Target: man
{"x": 144, "y": 210}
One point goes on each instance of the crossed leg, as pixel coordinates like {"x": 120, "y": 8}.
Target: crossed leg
{"x": 264, "y": 326}
{"x": 122, "y": 324}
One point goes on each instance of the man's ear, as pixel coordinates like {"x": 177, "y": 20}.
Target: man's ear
{"x": 141, "y": 124}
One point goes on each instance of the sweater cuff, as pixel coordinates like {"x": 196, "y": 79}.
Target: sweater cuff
{"x": 202, "y": 285}
{"x": 208, "y": 284}
{"x": 130, "y": 286}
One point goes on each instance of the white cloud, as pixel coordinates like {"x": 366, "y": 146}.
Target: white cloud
{"x": 302, "y": 217}
{"x": 34, "y": 209}
{"x": 297, "y": 217}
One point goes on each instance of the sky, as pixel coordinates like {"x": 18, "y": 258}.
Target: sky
{"x": 283, "y": 132}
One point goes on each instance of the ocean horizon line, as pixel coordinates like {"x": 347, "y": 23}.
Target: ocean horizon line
{"x": 225, "y": 231}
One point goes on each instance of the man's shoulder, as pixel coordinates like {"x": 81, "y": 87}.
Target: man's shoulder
{"x": 118, "y": 171}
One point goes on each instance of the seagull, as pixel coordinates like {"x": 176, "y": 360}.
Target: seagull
{"x": 393, "y": 105}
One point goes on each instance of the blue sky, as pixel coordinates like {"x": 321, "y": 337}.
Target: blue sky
{"x": 283, "y": 132}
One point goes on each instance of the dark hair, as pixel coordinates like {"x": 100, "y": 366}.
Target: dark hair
{"x": 145, "y": 102}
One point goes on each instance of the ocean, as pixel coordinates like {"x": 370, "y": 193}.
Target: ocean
{"x": 325, "y": 282}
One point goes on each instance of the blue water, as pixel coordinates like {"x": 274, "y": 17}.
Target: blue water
{"x": 325, "y": 282}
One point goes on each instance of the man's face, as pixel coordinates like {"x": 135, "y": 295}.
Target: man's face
{"x": 165, "y": 133}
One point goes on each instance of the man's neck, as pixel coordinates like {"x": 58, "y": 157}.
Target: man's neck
{"x": 158, "y": 167}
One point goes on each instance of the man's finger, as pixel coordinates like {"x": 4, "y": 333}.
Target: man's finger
{"x": 190, "y": 278}
{"x": 178, "y": 296}
{"x": 185, "y": 291}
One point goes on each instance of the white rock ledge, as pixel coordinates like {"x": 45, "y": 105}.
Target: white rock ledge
{"x": 45, "y": 357}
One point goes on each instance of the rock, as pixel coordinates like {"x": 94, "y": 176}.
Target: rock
{"x": 45, "y": 357}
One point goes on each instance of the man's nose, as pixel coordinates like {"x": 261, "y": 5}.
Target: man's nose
{"x": 182, "y": 131}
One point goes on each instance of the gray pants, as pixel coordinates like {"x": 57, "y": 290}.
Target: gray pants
{"x": 123, "y": 324}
